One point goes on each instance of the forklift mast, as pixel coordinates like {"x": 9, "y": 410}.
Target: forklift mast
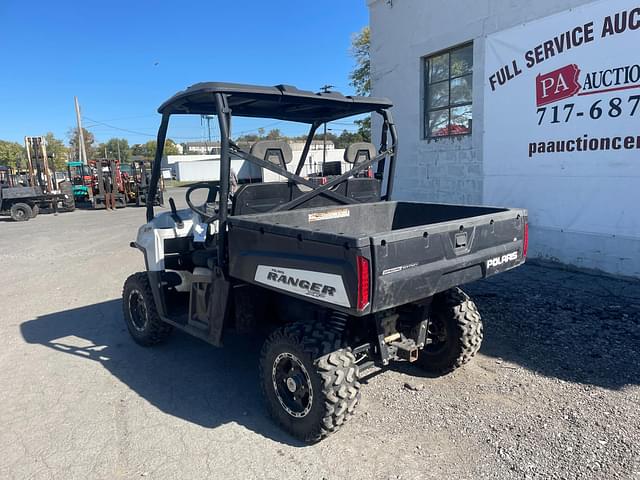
{"x": 113, "y": 170}
{"x": 38, "y": 168}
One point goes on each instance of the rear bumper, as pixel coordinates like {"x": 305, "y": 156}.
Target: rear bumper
{"x": 417, "y": 282}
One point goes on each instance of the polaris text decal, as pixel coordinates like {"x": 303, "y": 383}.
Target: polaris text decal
{"x": 497, "y": 261}
{"x": 327, "y": 287}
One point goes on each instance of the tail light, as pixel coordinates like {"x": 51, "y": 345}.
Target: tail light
{"x": 363, "y": 282}
{"x": 525, "y": 241}
{"x": 369, "y": 172}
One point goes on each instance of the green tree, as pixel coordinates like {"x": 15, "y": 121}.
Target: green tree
{"x": 148, "y": 150}
{"x": 274, "y": 134}
{"x": 170, "y": 148}
{"x": 346, "y": 138}
{"x": 364, "y": 128}
{"x": 11, "y": 154}
{"x": 138, "y": 149}
{"x": 89, "y": 141}
{"x": 331, "y": 137}
{"x": 248, "y": 138}
{"x": 57, "y": 150}
{"x": 361, "y": 75}
{"x": 115, "y": 145}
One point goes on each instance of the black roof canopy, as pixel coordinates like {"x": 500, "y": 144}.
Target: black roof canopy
{"x": 282, "y": 102}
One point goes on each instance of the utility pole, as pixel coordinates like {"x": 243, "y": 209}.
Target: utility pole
{"x": 118, "y": 145}
{"x": 82, "y": 152}
{"x": 325, "y": 89}
{"x": 208, "y": 119}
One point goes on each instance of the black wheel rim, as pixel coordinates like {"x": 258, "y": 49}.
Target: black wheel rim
{"x": 292, "y": 385}
{"x": 437, "y": 334}
{"x": 20, "y": 213}
{"x": 138, "y": 310}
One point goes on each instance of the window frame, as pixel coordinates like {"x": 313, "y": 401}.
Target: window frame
{"x": 426, "y": 108}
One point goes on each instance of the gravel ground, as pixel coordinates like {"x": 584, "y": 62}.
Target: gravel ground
{"x": 554, "y": 392}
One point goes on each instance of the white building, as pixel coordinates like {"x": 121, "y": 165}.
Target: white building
{"x": 209, "y": 170}
{"x": 193, "y": 168}
{"x": 522, "y": 104}
{"x": 313, "y": 162}
{"x": 200, "y": 148}
{"x": 315, "y": 145}
{"x": 173, "y": 159}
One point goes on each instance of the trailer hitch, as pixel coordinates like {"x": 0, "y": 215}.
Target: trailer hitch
{"x": 406, "y": 349}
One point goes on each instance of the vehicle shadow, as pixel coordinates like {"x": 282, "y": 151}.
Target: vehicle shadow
{"x": 184, "y": 377}
{"x": 572, "y": 326}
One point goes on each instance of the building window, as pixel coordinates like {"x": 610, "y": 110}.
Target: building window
{"x": 448, "y": 92}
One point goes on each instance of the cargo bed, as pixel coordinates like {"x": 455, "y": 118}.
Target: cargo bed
{"x": 413, "y": 250}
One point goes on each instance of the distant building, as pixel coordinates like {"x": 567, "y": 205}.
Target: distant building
{"x": 171, "y": 161}
{"x": 206, "y": 167}
{"x": 315, "y": 145}
{"x": 201, "y": 148}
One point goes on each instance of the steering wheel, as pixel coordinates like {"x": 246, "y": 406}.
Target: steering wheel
{"x": 208, "y": 215}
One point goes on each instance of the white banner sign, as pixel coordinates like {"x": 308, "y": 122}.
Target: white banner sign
{"x": 562, "y": 119}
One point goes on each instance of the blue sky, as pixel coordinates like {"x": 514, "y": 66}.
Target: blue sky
{"x": 123, "y": 59}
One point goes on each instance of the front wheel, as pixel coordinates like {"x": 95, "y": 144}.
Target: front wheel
{"x": 454, "y": 335}
{"x": 21, "y": 212}
{"x": 140, "y": 314}
{"x": 309, "y": 383}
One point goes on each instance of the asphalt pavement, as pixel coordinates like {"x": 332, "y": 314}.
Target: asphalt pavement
{"x": 554, "y": 392}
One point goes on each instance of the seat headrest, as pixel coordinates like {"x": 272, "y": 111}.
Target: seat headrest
{"x": 359, "y": 152}
{"x": 274, "y": 151}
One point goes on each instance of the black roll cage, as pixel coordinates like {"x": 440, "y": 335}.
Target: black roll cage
{"x": 230, "y": 148}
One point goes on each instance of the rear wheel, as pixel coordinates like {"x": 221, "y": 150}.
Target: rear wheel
{"x": 455, "y": 333}
{"x": 310, "y": 383}
{"x": 140, "y": 314}
{"x": 21, "y": 212}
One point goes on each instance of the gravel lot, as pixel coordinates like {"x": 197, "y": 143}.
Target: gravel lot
{"x": 553, "y": 394}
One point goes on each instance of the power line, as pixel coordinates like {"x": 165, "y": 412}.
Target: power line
{"x": 118, "y": 128}
{"x": 134, "y": 131}
{"x": 130, "y": 118}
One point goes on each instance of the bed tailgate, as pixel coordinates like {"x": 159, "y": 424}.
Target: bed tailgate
{"x": 415, "y": 263}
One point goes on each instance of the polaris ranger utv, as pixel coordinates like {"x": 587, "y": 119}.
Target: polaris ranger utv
{"x": 343, "y": 277}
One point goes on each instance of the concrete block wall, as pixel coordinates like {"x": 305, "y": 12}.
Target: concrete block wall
{"x": 402, "y": 33}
